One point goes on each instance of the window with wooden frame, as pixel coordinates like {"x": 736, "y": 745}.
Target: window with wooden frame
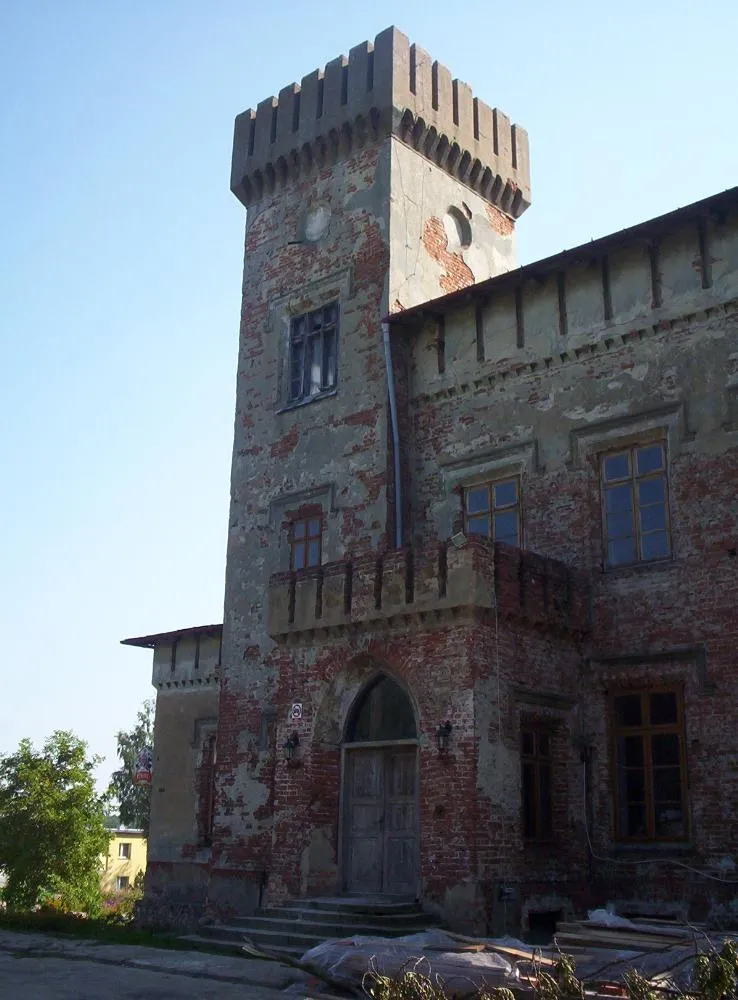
{"x": 650, "y": 771}
{"x": 535, "y": 759}
{"x": 306, "y": 537}
{"x": 312, "y": 353}
{"x": 493, "y": 510}
{"x": 636, "y": 505}
{"x": 206, "y": 804}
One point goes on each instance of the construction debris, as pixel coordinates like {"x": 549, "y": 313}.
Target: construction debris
{"x": 605, "y": 949}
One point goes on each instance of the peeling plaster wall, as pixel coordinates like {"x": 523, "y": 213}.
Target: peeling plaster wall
{"x": 576, "y": 372}
{"x": 181, "y": 719}
{"x": 332, "y": 452}
{"x": 425, "y": 261}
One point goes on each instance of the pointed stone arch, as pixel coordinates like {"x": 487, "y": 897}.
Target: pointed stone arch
{"x": 382, "y": 711}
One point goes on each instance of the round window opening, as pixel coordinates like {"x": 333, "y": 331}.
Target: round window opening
{"x": 458, "y": 229}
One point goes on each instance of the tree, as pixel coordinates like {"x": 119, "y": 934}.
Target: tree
{"x": 52, "y": 831}
{"x": 134, "y": 800}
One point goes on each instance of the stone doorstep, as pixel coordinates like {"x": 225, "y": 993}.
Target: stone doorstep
{"x": 357, "y": 923}
{"x": 294, "y": 929}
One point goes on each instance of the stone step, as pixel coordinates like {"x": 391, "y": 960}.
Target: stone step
{"x": 303, "y": 924}
{"x": 353, "y": 923}
{"x": 271, "y": 940}
{"x": 232, "y": 947}
{"x": 355, "y": 904}
{"x": 277, "y": 930}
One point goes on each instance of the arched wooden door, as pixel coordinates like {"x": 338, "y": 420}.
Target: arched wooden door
{"x": 380, "y": 794}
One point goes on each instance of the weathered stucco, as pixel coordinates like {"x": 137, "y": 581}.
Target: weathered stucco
{"x": 360, "y": 197}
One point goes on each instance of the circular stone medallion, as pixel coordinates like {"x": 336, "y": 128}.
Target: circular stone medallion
{"x": 316, "y": 222}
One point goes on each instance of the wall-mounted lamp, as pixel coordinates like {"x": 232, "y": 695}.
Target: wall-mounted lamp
{"x": 443, "y": 737}
{"x": 289, "y": 747}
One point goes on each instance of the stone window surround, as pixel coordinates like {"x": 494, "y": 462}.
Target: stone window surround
{"x": 337, "y": 287}
{"x": 512, "y": 461}
{"x": 323, "y": 497}
{"x": 668, "y": 423}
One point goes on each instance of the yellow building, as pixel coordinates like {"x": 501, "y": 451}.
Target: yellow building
{"x": 126, "y": 857}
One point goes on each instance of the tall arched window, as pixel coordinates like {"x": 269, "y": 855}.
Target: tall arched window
{"x": 383, "y": 712}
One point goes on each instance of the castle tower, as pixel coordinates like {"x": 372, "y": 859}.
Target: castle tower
{"x": 376, "y": 184}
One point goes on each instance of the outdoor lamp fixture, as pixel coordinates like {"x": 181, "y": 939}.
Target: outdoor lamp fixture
{"x": 443, "y": 736}
{"x": 289, "y": 746}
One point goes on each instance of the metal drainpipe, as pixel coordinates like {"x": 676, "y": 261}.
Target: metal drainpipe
{"x": 395, "y": 432}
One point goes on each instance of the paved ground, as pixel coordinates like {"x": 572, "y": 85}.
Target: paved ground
{"x": 42, "y": 967}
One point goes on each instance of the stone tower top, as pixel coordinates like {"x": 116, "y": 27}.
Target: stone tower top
{"x": 387, "y": 88}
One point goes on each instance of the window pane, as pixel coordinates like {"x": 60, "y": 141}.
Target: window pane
{"x": 329, "y": 359}
{"x": 544, "y": 800}
{"x": 330, "y": 314}
{"x": 651, "y": 491}
{"x": 665, "y": 749}
{"x": 544, "y": 744}
{"x": 298, "y": 556}
{"x": 529, "y": 814}
{"x": 650, "y": 459}
{"x": 314, "y": 553}
{"x": 667, "y": 785}
{"x": 621, "y": 552}
{"x": 663, "y": 708}
{"x": 506, "y": 493}
{"x": 299, "y": 327}
{"x": 635, "y": 786}
{"x": 635, "y": 821}
{"x": 528, "y": 743}
{"x": 630, "y": 751}
{"x": 477, "y": 500}
{"x": 655, "y": 546}
{"x": 298, "y": 529}
{"x": 653, "y": 518}
{"x": 670, "y": 821}
{"x": 628, "y": 710}
{"x": 617, "y": 467}
{"x": 478, "y": 525}
{"x": 313, "y": 527}
{"x": 316, "y": 365}
{"x": 506, "y": 527}
{"x": 620, "y": 525}
{"x": 618, "y": 498}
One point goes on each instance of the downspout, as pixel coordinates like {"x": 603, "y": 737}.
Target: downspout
{"x": 395, "y": 432}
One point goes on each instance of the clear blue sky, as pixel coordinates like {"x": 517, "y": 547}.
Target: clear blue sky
{"x": 120, "y": 260}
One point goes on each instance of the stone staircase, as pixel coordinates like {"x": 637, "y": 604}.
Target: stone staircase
{"x": 302, "y": 924}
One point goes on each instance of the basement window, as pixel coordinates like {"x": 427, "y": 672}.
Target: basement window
{"x": 312, "y": 354}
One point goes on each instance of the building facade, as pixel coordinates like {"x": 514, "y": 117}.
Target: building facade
{"x": 125, "y": 860}
{"x": 478, "y": 646}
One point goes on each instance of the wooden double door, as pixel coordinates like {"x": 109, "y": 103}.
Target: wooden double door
{"x": 380, "y": 812}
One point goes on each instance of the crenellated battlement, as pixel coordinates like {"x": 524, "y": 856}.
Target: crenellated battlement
{"x": 429, "y": 585}
{"x": 389, "y": 87}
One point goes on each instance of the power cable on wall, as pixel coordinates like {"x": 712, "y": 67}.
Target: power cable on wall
{"x": 644, "y": 861}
